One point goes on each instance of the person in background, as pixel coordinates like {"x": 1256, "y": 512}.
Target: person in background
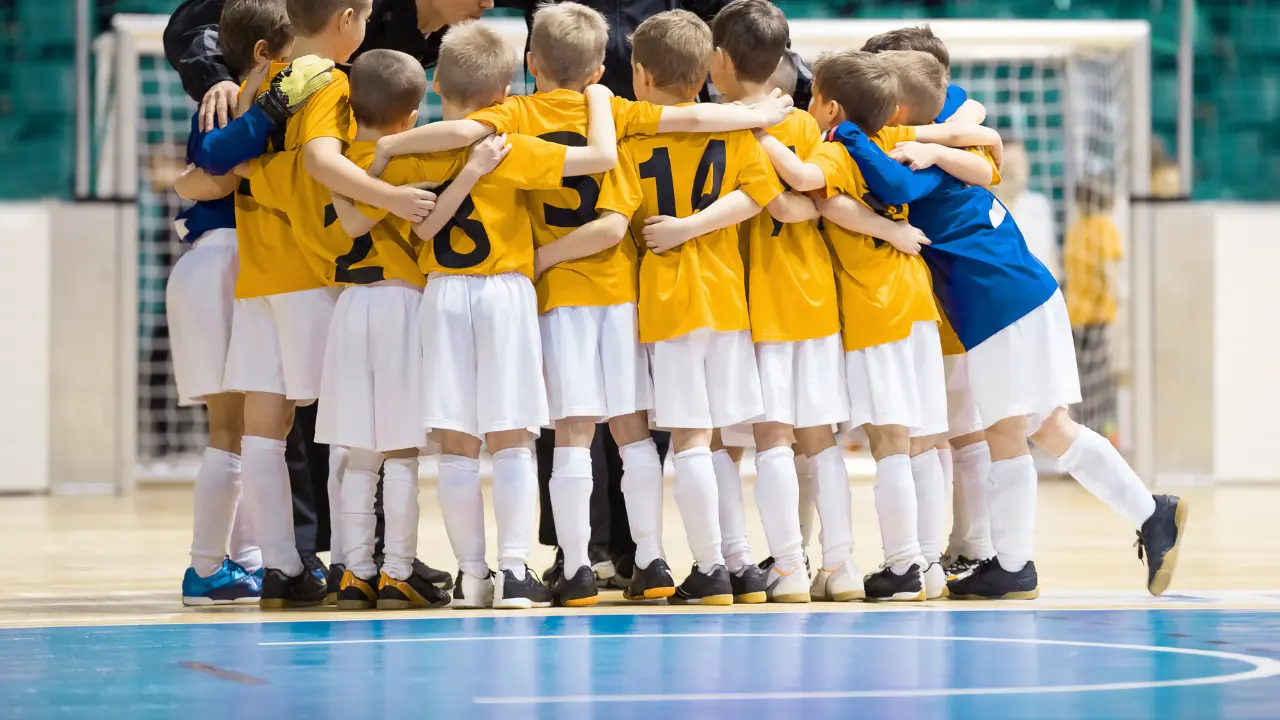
{"x": 1031, "y": 209}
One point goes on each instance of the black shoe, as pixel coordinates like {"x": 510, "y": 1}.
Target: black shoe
{"x": 316, "y": 566}
{"x": 556, "y": 571}
{"x": 703, "y": 589}
{"x": 885, "y": 584}
{"x": 1158, "y": 541}
{"x": 414, "y": 592}
{"x": 432, "y": 576}
{"x": 990, "y": 581}
{"x": 356, "y": 593}
{"x": 281, "y": 591}
{"x": 334, "y": 582}
{"x": 749, "y": 587}
{"x": 601, "y": 564}
{"x": 577, "y": 591}
{"x": 624, "y": 570}
{"x": 955, "y": 566}
{"x": 651, "y": 583}
{"x": 512, "y": 594}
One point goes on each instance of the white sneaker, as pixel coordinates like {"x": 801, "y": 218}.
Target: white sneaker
{"x": 472, "y": 593}
{"x": 840, "y": 585}
{"x": 792, "y": 587}
{"x": 935, "y": 582}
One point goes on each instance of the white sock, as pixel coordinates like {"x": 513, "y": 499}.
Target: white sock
{"x": 1012, "y": 502}
{"x": 972, "y": 471}
{"x": 835, "y": 505}
{"x": 696, "y": 496}
{"x": 778, "y": 499}
{"x": 896, "y": 505}
{"x": 217, "y": 491}
{"x": 808, "y": 498}
{"x": 733, "y": 521}
{"x": 571, "y": 504}
{"x": 338, "y": 458}
{"x": 515, "y": 505}
{"x": 1100, "y": 468}
{"x": 931, "y": 504}
{"x": 462, "y": 505}
{"x": 642, "y": 491}
{"x": 265, "y": 482}
{"x": 244, "y": 548}
{"x": 947, "y": 460}
{"x": 400, "y": 505}
{"x": 359, "y": 522}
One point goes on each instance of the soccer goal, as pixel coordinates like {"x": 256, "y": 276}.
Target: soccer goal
{"x": 1076, "y": 94}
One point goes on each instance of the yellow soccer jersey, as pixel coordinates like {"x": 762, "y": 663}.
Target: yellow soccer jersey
{"x": 700, "y": 284}
{"x": 791, "y": 282}
{"x": 560, "y": 116}
{"x": 882, "y": 291}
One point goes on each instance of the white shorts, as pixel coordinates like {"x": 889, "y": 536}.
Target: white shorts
{"x": 803, "y": 382}
{"x": 705, "y": 379}
{"x": 1027, "y": 369}
{"x": 593, "y": 361}
{"x": 371, "y": 388}
{"x": 962, "y": 412}
{"x": 900, "y": 383}
{"x": 481, "y": 354}
{"x": 199, "y": 300}
{"x": 278, "y": 341}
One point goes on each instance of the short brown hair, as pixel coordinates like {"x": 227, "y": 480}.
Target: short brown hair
{"x": 864, "y": 86}
{"x": 568, "y": 42}
{"x": 243, "y": 23}
{"x": 917, "y": 37}
{"x": 753, "y": 33}
{"x": 311, "y": 17}
{"x": 386, "y": 87}
{"x": 922, "y": 84}
{"x": 476, "y": 64}
{"x": 675, "y": 47}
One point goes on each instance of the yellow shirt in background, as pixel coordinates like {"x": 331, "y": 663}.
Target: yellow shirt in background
{"x": 1092, "y": 244}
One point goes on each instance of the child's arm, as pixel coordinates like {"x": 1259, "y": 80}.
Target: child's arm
{"x": 891, "y": 182}
{"x": 967, "y": 167}
{"x": 354, "y": 222}
{"x": 957, "y": 134}
{"x": 601, "y": 152}
{"x": 485, "y": 156}
{"x": 798, "y": 174}
{"x": 662, "y": 232}
{"x": 971, "y": 111}
{"x": 792, "y": 207}
{"x": 600, "y": 234}
{"x": 197, "y": 185}
{"x": 853, "y": 215}
{"x": 325, "y": 162}
{"x": 716, "y": 117}
{"x": 434, "y": 137}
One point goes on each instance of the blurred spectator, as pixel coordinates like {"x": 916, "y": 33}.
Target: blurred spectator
{"x": 1165, "y": 175}
{"x": 1030, "y": 209}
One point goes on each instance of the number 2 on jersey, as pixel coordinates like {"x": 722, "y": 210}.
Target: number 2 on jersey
{"x": 712, "y": 162}
{"x": 360, "y": 249}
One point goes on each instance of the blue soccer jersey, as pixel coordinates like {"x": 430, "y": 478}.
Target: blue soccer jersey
{"x": 217, "y": 152}
{"x": 956, "y": 96}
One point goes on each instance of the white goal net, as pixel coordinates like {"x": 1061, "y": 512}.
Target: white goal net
{"x": 1074, "y": 93}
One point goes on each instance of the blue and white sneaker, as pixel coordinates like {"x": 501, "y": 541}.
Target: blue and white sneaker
{"x": 231, "y": 584}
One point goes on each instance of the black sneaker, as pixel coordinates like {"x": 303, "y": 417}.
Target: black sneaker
{"x": 316, "y": 566}
{"x": 624, "y": 570}
{"x": 1158, "y": 541}
{"x": 577, "y": 591}
{"x": 703, "y": 589}
{"x": 414, "y": 592}
{"x": 957, "y": 565}
{"x": 356, "y": 593}
{"x": 601, "y": 564}
{"x": 281, "y": 591}
{"x": 887, "y": 585}
{"x": 651, "y": 583}
{"x": 990, "y": 581}
{"x": 432, "y": 576}
{"x": 334, "y": 582}
{"x": 556, "y": 571}
{"x": 749, "y": 587}
{"x": 512, "y": 594}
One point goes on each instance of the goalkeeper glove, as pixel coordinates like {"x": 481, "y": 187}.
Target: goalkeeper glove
{"x": 291, "y": 87}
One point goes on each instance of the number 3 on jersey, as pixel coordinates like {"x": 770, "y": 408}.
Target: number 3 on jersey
{"x": 658, "y": 167}
{"x": 586, "y": 186}
{"x": 472, "y": 227}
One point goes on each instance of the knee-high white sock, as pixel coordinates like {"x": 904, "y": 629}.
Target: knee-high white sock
{"x": 931, "y": 504}
{"x": 808, "y": 498}
{"x": 973, "y": 519}
{"x": 338, "y": 458}
{"x": 947, "y": 460}
{"x": 400, "y": 505}
{"x": 696, "y": 496}
{"x": 778, "y": 499}
{"x": 462, "y": 506}
{"x": 217, "y": 491}
{"x": 571, "y": 504}
{"x": 515, "y": 506}
{"x": 1012, "y": 502}
{"x": 244, "y": 548}
{"x": 642, "y": 491}
{"x": 359, "y": 523}
{"x": 265, "y": 482}
{"x": 835, "y": 506}
{"x": 733, "y": 521}
{"x": 1100, "y": 468}
{"x": 896, "y": 506}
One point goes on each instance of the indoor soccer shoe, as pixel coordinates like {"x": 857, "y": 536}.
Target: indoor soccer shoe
{"x": 990, "y": 581}
{"x": 334, "y": 582}
{"x": 1158, "y": 541}
{"x": 624, "y": 570}
{"x": 840, "y": 585}
{"x": 935, "y": 582}
{"x": 281, "y": 591}
{"x": 749, "y": 586}
{"x": 415, "y": 592}
{"x": 356, "y": 593}
{"x": 577, "y": 591}
{"x": 314, "y": 565}
{"x": 887, "y": 585}
{"x": 512, "y": 594}
{"x": 432, "y": 576}
{"x": 229, "y": 585}
{"x": 472, "y": 593}
{"x": 703, "y": 589}
{"x": 792, "y": 587}
{"x": 957, "y": 565}
{"x": 556, "y": 571}
{"x": 601, "y": 565}
{"x": 651, "y": 583}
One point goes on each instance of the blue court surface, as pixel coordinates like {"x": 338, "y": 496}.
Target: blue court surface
{"x": 1194, "y": 664}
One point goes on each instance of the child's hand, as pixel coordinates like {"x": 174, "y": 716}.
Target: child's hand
{"x": 916, "y": 155}
{"x": 663, "y": 232}
{"x": 487, "y": 154}
{"x": 412, "y": 204}
{"x": 907, "y": 239}
{"x": 381, "y": 158}
{"x": 251, "y": 84}
{"x": 774, "y": 109}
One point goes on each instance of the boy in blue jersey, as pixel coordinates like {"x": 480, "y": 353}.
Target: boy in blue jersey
{"x": 1009, "y": 314}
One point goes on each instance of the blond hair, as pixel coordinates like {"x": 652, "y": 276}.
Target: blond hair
{"x": 922, "y": 84}
{"x": 476, "y": 64}
{"x": 675, "y": 47}
{"x": 862, "y": 84}
{"x": 386, "y": 87}
{"x": 568, "y": 42}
